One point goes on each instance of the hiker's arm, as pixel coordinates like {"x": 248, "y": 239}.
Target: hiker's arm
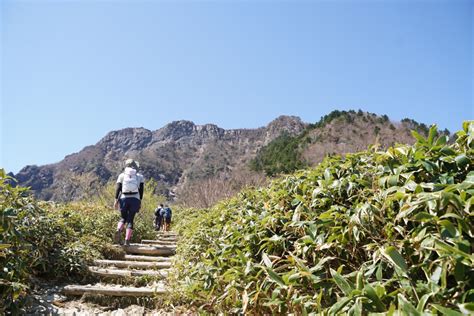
{"x": 140, "y": 190}
{"x": 118, "y": 190}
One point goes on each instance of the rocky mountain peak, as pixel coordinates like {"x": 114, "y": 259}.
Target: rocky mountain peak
{"x": 175, "y": 130}
{"x": 126, "y": 139}
{"x": 290, "y": 124}
{"x": 209, "y": 131}
{"x": 178, "y": 130}
{"x": 182, "y": 152}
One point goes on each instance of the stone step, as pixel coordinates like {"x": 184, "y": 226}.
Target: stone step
{"x": 147, "y": 258}
{"x": 113, "y": 290}
{"x": 159, "y": 242}
{"x": 143, "y": 249}
{"x": 167, "y": 234}
{"x": 133, "y": 264}
{"x": 120, "y": 273}
{"x": 167, "y": 238}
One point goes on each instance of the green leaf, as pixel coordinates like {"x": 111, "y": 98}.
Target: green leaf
{"x": 393, "y": 180}
{"x": 296, "y": 214}
{"x": 411, "y": 186}
{"x": 275, "y": 238}
{"x": 360, "y": 280}
{"x": 420, "y": 139}
{"x": 448, "y": 151}
{"x": 466, "y": 125}
{"x": 467, "y": 308}
{"x": 448, "y": 197}
{"x": 356, "y": 309}
{"x": 459, "y": 271}
{"x": 294, "y": 276}
{"x": 379, "y": 272}
{"x": 423, "y": 216}
{"x": 406, "y": 306}
{"x": 327, "y": 174}
{"x": 470, "y": 177}
{"x": 339, "y": 305}
{"x": 436, "y": 275}
{"x": 266, "y": 260}
{"x": 391, "y": 310}
{"x": 304, "y": 311}
{"x": 342, "y": 283}
{"x": 462, "y": 160}
{"x": 422, "y": 303}
{"x": 432, "y": 134}
{"x": 442, "y": 140}
{"x": 372, "y": 295}
{"x": 9, "y": 212}
{"x": 275, "y": 277}
{"x": 448, "y": 226}
{"x": 451, "y": 215}
{"x": 468, "y": 296}
{"x": 446, "y": 311}
{"x": 448, "y": 249}
{"x": 395, "y": 258}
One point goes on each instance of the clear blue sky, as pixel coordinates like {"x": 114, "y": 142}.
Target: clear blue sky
{"x": 71, "y": 71}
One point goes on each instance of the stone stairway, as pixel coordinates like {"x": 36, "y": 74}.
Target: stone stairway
{"x": 148, "y": 258}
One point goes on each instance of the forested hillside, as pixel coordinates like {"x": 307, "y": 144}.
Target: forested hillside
{"x": 339, "y": 132}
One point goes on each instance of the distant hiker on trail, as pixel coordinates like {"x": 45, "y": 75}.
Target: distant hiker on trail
{"x": 162, "y": 215}
{"x": 128, "y": 195}
{"x": 167, "y": 218}
{"x": 158, "y": 217}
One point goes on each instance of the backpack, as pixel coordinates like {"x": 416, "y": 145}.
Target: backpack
{"x": 167, "y": 212}
{"x": 158, "y": 211}
{"x": 130, "y": 182}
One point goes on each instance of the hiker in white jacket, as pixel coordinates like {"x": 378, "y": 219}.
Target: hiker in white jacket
{"x": 128, "y": 195}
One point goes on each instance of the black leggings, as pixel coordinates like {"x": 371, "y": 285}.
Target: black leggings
{"x": 128, "y": 208}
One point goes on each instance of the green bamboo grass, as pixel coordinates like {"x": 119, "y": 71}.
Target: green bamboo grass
{"x": 379, "y": 232}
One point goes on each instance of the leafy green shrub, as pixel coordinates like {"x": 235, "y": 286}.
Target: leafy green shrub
{"x": 55, "y": 240}
{"x": 15, "y": 206}
{"x": 368, "y": 232}
{"x": 34, "y": 242}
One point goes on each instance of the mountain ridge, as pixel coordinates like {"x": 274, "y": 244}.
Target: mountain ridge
{"x": 182, "y": 153}
{"x": 97, "y": 164}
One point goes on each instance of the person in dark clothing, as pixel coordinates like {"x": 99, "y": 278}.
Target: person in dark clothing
{"x": 158, "y": 217}
{"x": 167, "y": 218}
{"x": 128, "y": 196}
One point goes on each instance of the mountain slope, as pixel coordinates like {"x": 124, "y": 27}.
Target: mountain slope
{"x": 173, "y": 155}
{"x": 339, "y": 132}
{"x": 182, "y": 153}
